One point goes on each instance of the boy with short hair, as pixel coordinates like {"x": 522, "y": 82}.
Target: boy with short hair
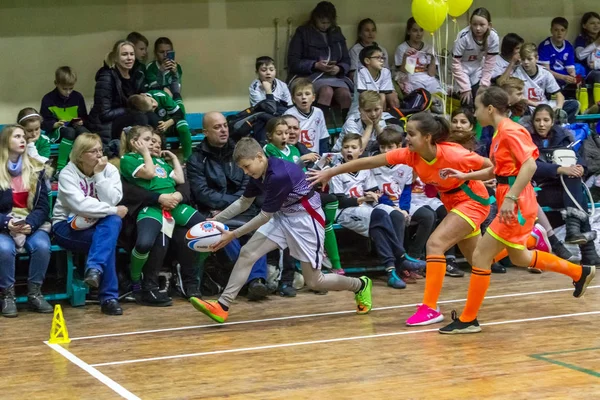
{"x": 360, "y": 211}
{"x": 140, "y": 43}
{"x": 313, "y": 130}
{"x": 64, "y": 112}
{"x": 267, "y": 86}
{"x": 291, "y": 216}
{"x": 557, "y": 55}
{"x": 372, "y": 75}
{"x": 172, "y": 118}
{"x": 539, "y": 81}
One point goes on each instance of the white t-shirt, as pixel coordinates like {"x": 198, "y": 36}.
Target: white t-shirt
{"x": 472, "y": 54}
{"x": 392, "y": 179}
{"x": 538, "y": 85}
{"x": 353, "y": 184}
{"x": 354, "y": 124}
{"x": 280, "y": 91}
{"x": 501, "y": 65}
{"x": 364, "y": 81}
{"x": 420, "y": 78}
{"x": 355, "y": 60}
{"x": 312, "y": 127}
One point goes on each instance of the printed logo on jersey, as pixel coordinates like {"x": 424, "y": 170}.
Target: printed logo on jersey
{"x": 307, "y": 139}
{"x": 354, "y": 192}
{"x": 390, "y": 189}
{"x": 161, "y": 112}
{"x": 160, "y": 172}
{"x": 472, "y": 58}
{"x": 534, "y": 94}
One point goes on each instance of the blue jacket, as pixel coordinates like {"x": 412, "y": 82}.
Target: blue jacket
{"x": 308, "y": 46}
{"x": 41, "y": 207}
{"x": 557, "y": 138}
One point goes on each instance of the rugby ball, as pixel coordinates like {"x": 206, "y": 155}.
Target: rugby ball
{"x": 80, "y": 223}
{"x": 201, "y": 236}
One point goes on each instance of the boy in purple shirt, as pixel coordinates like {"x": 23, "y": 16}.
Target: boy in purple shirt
{"x": 291, "y": 216}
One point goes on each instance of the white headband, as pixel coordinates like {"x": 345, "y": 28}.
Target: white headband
{"x": 29, "y": 116}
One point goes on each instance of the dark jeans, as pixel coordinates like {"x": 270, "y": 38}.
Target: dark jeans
{"x": 100, "y": 242}
{"x": 571, "y": 107}
{"x": 383, "y": 234}
{"x": 37, "y": 245}
{"x": 554, "y": 195}
{"x": 424, "y": 219}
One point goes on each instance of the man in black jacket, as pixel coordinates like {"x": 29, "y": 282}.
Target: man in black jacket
{"x": 216, "y": 181}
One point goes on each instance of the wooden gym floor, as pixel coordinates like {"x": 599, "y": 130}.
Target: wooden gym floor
{"x": 537, "y": 342}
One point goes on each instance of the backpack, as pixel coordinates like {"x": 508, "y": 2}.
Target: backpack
{"x": 416, "y": 101}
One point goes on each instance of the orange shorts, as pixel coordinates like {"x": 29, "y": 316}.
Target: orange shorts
{"x": 514, "y": 234}
{"x": 468, "y": 209}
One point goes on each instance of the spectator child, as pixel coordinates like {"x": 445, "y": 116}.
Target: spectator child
{"x": 514, "y": 87}
{"x": 38, "y": 144}
{"x": 290, "y": 216}
{"x": 372, "y": 75}
{"x": 267, "y": 86}
{"x": 539, "y": 81}
{"x": 358, "y": 196}
{"x": 313, "y": 130}
{"x": 278, "y": 135}
{"x": 64, "y": 112}
{"x": 419, "y": 55}
{"x": 171, "y": 116}
{"x": 164, "y": 72}
{"x": 140, "y": 43}
{"x": 154, "y": 174}
{"x": 366, "y": 36}
{"x": 475, "y": 51}
{"x": 308, "y": 157}
{"x": 587, "y": 46}
{"x": 395, "y": 185}
{"x": 509, "y": 57}
{"x": 557, "y": 55}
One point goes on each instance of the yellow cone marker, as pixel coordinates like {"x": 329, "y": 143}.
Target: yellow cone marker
{"x": 58, "y": 332}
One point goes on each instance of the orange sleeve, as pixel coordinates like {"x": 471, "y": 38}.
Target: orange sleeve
{"x": 521, "y": 146}
{"x": 472, "y": 161}
{"x": 399, "y": 156}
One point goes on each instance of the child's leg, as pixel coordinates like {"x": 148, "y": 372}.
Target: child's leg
{"x": 330, "y": 206}
{"x": 316, "y": 280}
{"x": 67, "y": 135}
{"x": 147, "y": 231}
{"x": 258, "y": 246}
{"x": 179, "y": 101}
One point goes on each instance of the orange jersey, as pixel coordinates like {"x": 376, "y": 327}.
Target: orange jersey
{"x": 511, "y": 147}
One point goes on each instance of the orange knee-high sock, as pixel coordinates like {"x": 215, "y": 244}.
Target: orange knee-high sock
{"x": 480, "y": 281}
{"x": 531, "y": 242}
{"x": 436, "y": 270}
{"x": 550, "y": 262}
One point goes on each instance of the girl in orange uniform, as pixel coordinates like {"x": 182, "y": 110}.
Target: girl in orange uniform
{"x": 514, "y": 154}
{"x": 467, "y": 202}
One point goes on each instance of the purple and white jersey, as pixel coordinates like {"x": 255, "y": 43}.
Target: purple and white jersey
{"x": 284, "y": 185}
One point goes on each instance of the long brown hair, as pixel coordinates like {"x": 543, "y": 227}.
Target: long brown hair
{"x": 30, "y": 169}
{"x": 483, "y": 12}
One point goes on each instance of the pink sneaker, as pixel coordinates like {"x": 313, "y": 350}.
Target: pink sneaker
{"x": 542, "y": 244}
{"x": 425, "y": 316}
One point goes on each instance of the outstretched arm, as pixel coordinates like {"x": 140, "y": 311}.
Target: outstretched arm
{"x": 324, "y": 176}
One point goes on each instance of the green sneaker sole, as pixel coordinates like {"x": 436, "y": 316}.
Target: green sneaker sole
{"x": 200, "y": 307}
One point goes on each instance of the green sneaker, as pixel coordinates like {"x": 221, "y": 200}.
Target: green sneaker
{"x": 210, "y": 308}
{"x": 363, "y": 299}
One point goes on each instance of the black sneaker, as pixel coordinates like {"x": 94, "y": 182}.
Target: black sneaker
{"x": 587, "y": 275}
{"x": 153, "y": 298}
{"x": 112, "y": 307}
{"x": 457, "y": 326}
{"x": 286, "y": 291}
{"x": 452, "y": 270}
{"x": 498, "y": 268}
{"x": 257, "y": 290}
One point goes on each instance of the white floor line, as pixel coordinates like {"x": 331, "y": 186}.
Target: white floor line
{"x": 114, "y": 386}
{"x": 501, "y": 296}
{"x": 344, "y": 339}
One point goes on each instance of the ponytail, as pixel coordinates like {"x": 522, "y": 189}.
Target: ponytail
{"x": 132, "y": 133}
{"x": 432, "y": 124}
{"x": 112, "y": 57}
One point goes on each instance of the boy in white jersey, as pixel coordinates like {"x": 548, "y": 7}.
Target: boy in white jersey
{"x": 359, "y": 211}
{"x": 539, "y": 81}
{"x": 313, "y": 129}
{"x": 372, "y": 75}
{"x": 368, "y": 121}
{"x": 267, "y": 86}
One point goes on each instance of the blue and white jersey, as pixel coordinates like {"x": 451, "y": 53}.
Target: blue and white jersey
{"x": 557, "y": 59}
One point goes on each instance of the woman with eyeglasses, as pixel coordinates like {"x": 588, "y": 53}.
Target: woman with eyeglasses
{"x": 87, "y": 218}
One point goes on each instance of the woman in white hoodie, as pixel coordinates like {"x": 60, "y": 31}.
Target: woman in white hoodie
{"x": 86, "y": 216}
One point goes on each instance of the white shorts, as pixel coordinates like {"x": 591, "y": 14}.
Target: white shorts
{"x": 299, "y": 232}
{"x": 358, "y": 219}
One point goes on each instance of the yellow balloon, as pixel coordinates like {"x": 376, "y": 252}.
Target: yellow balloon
{"x": 456, "y": 8}
{"x": 430, "y": 14}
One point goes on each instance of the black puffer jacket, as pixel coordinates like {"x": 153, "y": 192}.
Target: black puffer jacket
{"x": 215, "y": 179}
{"x": 110, "y": 100}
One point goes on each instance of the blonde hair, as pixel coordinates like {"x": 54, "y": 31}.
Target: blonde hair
{"x": 83, "y": 143}
{"x": 246, "y": 149}
{"x": 133, "y": 133}
{"x": 113, "y": 56}
{"x": 512, "y": 83}
{"x": 65, "y": 76}
{"x": 528, "y": 50}
{"x": 30, "y": 168}
{"x": 368, "y": 97}
{"x": 300, "y": 84}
